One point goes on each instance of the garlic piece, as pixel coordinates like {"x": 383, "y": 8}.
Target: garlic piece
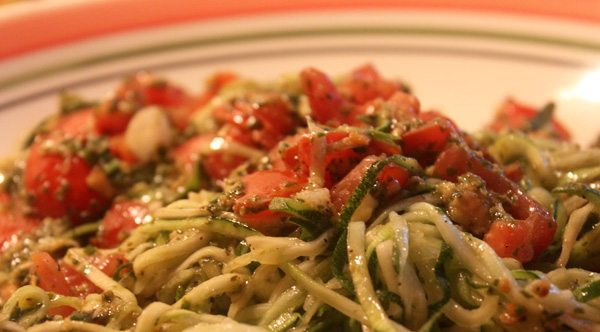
{"x": 147, "y": 132}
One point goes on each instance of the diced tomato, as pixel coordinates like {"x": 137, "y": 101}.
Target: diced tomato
{"x": 12, "y": 226}
{"x": 514, "y": 115}
{"x": 119, "y": 221}
{"x": 217, "y": 164}
{"x": 78, "y": 123}
{"x": 51, "y": 279}
{"x": 119, "y": 148}
{"x": 216, "y": 82}
{"x": 389, "y": 149}
{"x": 114, "y": 114}
{"x": 162, "y": 93}
{"x": 110, "y": 121}
{"x": 180, "y": 116}
{"x": 4, "y": 198}
{"x": 392, "y": 179}
{"x": 297, "y": 156}
{"x": 65, "y": 280}
{"x": 365, "y": 84}
{"x": 514, "y": 172}
{"x": 259, "y": 190}
{"x": 213, "y": 85}
{"x": 339, "y": 161}
{"x": 327, "y": 104}
{"x": 79, "y": 285}
{"x": 48, "y": 271}
{"x": 285, "y": 156}
{"x": 341, "y": 191}
{"x": 220, "y": 165}
{"x": 259, "y": 120}
{"x": 109, "y": 264}
{"x": 190, "y": 150}
{"x": 58, "y": 188}
{"x": 60, "y": 279}
{"x": 457, "y": 160}
{"x": 404, "y": 107}
{"x": 430, "y": 116}
{"x": 511, "y": 240}
{"x": 425, "y": 142}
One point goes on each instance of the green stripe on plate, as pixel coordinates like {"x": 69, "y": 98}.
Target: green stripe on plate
{"x": 339, "y": 31}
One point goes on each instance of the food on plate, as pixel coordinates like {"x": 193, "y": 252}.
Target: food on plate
{"x": 303, "y": 204}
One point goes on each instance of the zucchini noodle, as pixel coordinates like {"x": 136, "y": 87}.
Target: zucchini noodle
{"x": 574, "y": 225}
{"x": 302, "y": 205}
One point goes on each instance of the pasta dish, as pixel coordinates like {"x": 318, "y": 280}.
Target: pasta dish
{"x": 302, "y": 204}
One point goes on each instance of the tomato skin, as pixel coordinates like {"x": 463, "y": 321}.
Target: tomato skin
{"x": 217, "y": 164}
{"x": 81, "y": 122}
{"x": 259, "y": 120}
{"x": 119, "y": 221}
{"x": 118, "y": 148}
{"x": 109, "y": 264}
{"x": 457, "y": 160}
{"x": 341, "y": 191}
{"x": 4, "y": 198}
{"x": 65, "y": 280}
{"x": 511, "y": 240}
{"x": 136, "y": 92}
{"x": 57, "y": 185}
{"x": 213, "y": 85}
{"x": 190, "y": 150}
{"x": 514, "y": 172}
{"x": 297, "y": 156}
{"x": 79, "y": 285}
{"x": 514, "y": 115}
{"x": 112, "y": 122}
{"x": 392, "y": 179}
{"x": 51, "y": 279}
{"x": 60, "y": 279}
{"x": 365, "y": 84}
{"x": 259, "y": 190}
{"x": 325, "y": 100}
{"x": 338, "y": 161}
{"x": 11, "y": 225}
{"x": 425, "y": 142}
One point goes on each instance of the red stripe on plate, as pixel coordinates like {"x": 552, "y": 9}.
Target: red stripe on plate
{"x": 76, "y": 21}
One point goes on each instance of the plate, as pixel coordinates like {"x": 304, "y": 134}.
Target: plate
{"x": 462, "y": 58}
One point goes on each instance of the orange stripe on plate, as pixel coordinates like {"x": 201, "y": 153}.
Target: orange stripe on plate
{"x": 77, "y": 21}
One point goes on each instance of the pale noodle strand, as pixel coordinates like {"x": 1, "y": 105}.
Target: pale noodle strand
{"x": 276, "y": 250}
{"x": 69, "y": 325}
{"x": 365, "y": 293}
{"x": 32, "y": 300}
{"x": 259, "y": 285}
{"x": 413, "y": 296}
{"x": 312, "y": 268}
{"x": 151, "y": 267}
{"x": 213, "y": 252}
{"x": 574, "y": 225}
{"x": 150, "y": 315}
{"x": 384, "y": 252}
{"x": 328, "y": 296}
{"x": 472, "y": 318}
{"x": 224, "y": 283}
{"x": 222, "y": 324}
{"x": 289, "y": 301}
